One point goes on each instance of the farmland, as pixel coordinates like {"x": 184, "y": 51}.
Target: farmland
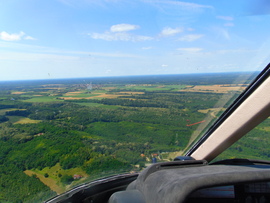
{"x": 224, "y": 88}
{"x": 53, "y": 131}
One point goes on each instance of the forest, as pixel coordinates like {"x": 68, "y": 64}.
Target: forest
{"x": 56, "y": 134}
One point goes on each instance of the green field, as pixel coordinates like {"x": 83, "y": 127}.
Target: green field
{"x": 42, "y": 99}
{"x": 100, "y": 91}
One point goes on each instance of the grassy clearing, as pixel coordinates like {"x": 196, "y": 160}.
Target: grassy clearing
{"x": 3, "y": 111}
{"x": 14, "y": 119}
{"x": 54, "y": 177}
{"x": 267, "y": 129}
{"x": 3, "y": 98}
{"x": 26, "y": 95}
{"x": 21, "y": 120}
{"x": 26, "y": 121}
{"x": 176, "y": 87}
{"x": 51, "y": 183}
{"x": 22, "y": 136}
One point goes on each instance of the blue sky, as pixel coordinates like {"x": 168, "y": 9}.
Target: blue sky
{"x": 88, "y": 38}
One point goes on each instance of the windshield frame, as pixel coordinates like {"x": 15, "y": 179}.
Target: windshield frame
{"x": 242, "y": 97}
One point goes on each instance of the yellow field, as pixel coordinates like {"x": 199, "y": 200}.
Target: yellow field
{"x": 101, "y": 95}
{"x": 111, "y": 96}
{"x": 18, "y": 92}
{"x": 214, "y": 88}
{"x": 108, "y": 88}
{"x": 3, "y": 111}
{"x": 266, "y": 129}
{"x": 26, "y": 120}
{"x": 213, "y": 111}
{"x": 51, "y": 88}
{"x": 72, "y": 93}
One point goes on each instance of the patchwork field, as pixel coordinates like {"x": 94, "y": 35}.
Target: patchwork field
{"x": 56, "y": 93}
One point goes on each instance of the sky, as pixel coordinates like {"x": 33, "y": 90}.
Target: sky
{"x": 95, "y": 38}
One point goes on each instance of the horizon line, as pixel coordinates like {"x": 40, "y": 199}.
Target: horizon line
{"x": 121, "y": 76}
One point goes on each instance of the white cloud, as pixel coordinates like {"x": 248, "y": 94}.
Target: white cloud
{"x": 113, "y": 55}
{"x": 119, "y": 33}
{"x": 14, "y": 37}
{"x": 190, "y": 50}
{"x": 124, "y": 27}
{"x": 80, "y": 3}
{"x": 119, "y": 36}
{"x": 190, "y": 29}
{"x": 9, "y": 47}
{"x": 147, "y": 48}
{"x": 108, "y": 71}
{"x": 164, "y": 65}
{"x": 66, "y": 2}
{"x": 29, "y": 38}
{"x": 229, "y": 24}
{"x": 182, "y": 4}
{"x": 228, "y": 18}
{"x": 189, "y": 5}
{"x": 11, "y": 37}
{"x": 20, "y": 56}
{"x": 222, "y": 32}
{"x": 225, "y": 34}
{"x": 190, "y": 38}
{"x": 168, "y": 31}
{"x": 234, "y": 51}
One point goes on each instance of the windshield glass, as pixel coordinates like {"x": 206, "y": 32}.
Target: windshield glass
{"x": 254, "y": 145}
{"x": 90, "y": 89}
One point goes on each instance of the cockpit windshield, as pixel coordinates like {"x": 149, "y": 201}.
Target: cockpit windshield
{"x": 90, "y": 89}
